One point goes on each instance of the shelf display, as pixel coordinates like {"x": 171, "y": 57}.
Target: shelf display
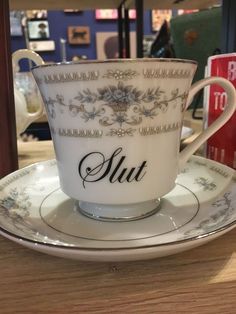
{"x": 112, "y": 14}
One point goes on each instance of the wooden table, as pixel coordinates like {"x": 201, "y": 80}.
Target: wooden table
{"x": 202, "y": 280}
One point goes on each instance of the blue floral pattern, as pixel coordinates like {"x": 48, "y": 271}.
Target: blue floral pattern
{"x": 119, "y": 104}
{"x": 16, "y": 206}
{"x": 223, "y": 214}
{"x": 205, "y": 184}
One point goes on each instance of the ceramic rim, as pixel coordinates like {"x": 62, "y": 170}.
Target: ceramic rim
{"x": 138, "y": 60}
{"x": 76, "y": 248}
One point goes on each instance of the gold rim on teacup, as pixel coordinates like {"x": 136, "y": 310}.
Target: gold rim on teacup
{"x": 124, "y": 60}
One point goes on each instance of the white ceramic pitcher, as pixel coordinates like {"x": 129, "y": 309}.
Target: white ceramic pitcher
{"x": 23, "y": 117}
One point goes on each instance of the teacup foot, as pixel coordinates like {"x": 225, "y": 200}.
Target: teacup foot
{"x": 118, "y": 213}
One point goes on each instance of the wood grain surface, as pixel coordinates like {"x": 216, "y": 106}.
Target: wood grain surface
{"x": 199, "y": 281}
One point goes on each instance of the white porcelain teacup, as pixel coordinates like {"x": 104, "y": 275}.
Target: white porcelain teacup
{"x": 116, "y": 129}
{"x": 23, "y": 117}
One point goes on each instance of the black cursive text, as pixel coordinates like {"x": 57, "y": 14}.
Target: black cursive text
{"x": 113, "y": 168}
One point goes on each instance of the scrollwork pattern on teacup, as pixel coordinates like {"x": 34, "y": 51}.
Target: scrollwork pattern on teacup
{"x": 167, "y": 73}
{"x": 117, "y": 74}
{"x": 144, "y": 131}
{"x": 79, "y": 133}
{"x": 50, "y": 105}
{"x": 71, "y": 77}
{"x": 119, "y": 104}
{"x": 121, "y": 75}
{"x": 120, "y": 132}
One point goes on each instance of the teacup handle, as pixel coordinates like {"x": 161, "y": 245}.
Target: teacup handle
{"x": 188, "y": 151}
{"x": 28, "y": 54}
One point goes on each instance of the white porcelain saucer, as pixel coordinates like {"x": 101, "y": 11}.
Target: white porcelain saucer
{"x": 186, "y": 132}
{"x": 34, "y": 212}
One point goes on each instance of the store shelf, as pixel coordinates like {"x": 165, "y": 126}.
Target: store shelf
{"x": 175, "y": 4}
{"x": 63, "y": 4}
{"x": 228, "y": 41}
{"x": 110, "y": 4}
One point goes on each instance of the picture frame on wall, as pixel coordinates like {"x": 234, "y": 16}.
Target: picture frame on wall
{"x": 181, "y": 12}
{"x": 45, "y": 45}
{"x": 111, "y": 14}
{"x": 107, "y": 45}
{"x": 15, "y": 23}
{"x": 158, "y": 17}
{"x": 79, "y": 35}
{"x": 38, "y": 29}
{"x": 36, "y": 14}
{"x": 72, "y": 11}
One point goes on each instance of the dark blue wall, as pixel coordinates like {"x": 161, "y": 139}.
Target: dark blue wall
{"x": 58, "y": 23}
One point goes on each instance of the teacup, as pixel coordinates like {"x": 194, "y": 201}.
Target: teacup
{"x": 116, "y": 128}
{"x": 23, "y": 117}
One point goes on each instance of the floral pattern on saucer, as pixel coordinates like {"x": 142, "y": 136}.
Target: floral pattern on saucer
{"x": 22, "y": 194}
{"x": 16, "y": 207}
{"x": 221, "y": 216}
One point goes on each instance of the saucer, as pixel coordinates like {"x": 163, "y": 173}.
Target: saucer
{"x": 186, "y": 132}
{"x": 34, "y": 212}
